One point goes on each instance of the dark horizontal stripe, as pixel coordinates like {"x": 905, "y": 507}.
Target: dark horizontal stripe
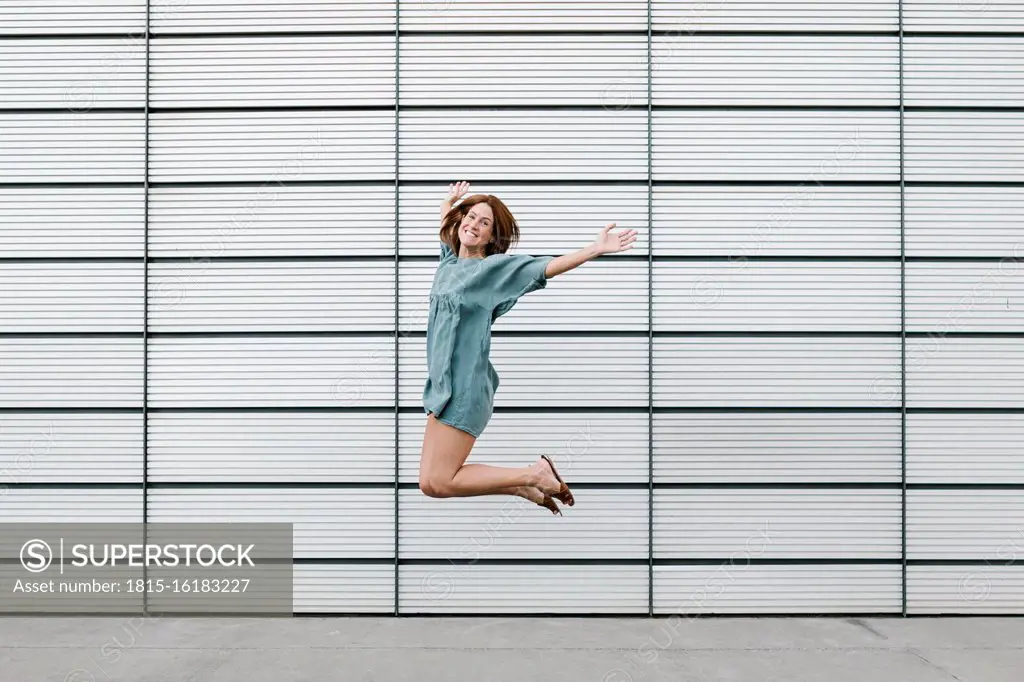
{"x": 578, "y": 485}
{"x": 84, "y": 409}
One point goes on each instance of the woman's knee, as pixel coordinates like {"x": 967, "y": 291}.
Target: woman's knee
{"x": 434, "y": 486}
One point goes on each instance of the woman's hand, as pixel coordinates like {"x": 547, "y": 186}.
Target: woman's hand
{"x": 612, "y": 242}
{"x": 456, "y": 190}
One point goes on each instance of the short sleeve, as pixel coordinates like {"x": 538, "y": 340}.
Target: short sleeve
{"x": 446, "y": 251}
{"x": 515, "y": 276}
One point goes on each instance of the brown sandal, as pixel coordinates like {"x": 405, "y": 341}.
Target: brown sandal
{"x": 549, "y": 503}
{"x": 564, "y": 495}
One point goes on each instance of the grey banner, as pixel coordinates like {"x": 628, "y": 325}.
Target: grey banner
{"x": 175, "y": 568}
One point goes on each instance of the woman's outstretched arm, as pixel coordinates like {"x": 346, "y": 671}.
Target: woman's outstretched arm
{"x": 606, "y": 242}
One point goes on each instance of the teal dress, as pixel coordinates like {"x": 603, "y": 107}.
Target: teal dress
{"x": 467, "y": 296}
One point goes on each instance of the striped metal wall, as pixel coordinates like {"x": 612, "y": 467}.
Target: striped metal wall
{"x": 802, "y": 391}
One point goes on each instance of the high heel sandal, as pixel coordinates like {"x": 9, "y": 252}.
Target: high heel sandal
{"x": 564, "y": 495}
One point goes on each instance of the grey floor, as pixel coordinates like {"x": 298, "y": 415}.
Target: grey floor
{"x": 974, "y": 649}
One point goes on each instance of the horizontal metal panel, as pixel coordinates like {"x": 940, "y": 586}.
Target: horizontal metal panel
{"x": 216, "y": 16}
{"x": 534, "y": 372}
{"x": 741, "y": 295}
{"x": 604, "y": 524}
{"x": 944, "y": 371}
{"x": 286, "y": 220}
{"x": 806, "y": 146}
{"x": 744, "y": 447}
{"x": 71, "y": 297}
{"x": 963, "y": 15}
{"x": 759, "y": 15}
{"x": 783, "y": 372}
{"x": 79, "y": 505}
{"x": 965, "y": 448}
{"x": 609, "y": 70}
{"x": 776, "y": 221}
{"x": 277, "y": 371}
{"x": 586, "y": 446}
{"x": 69, "y": 448}
{"x": 67, "y": 221}
{"x": 549, "y": 222}
{"x": 21, "y": 17}
{"x": 254, "y": 296}
{"x": 973, "y": 221}
{"x": 799, "y": 523}
{"x": 943, "y": 297}
{"x": 77, "y": 75}
{"x": 477, "y": 588}
{"x": 469, "y": 15}
{"x": 346, "y": 523}
{"x": 971, "y": 146}
{"x": 72, "y": 146}
{"x": 271, "y": 447}
{"x": 343, "y": 589}
{"x": 737, "y": 587}
{"x": 62, "y": 372}
{"x": 963, "y": 71}
{"x": 570, "y": 302}
{"x": 249, "y": 71}
{"x": 801, "y": 70}
{"x": 524, "y": 145}
{"x": 965, "y": 524}
{"x": 272, "y": 146}
{"x": 965, "y": 589}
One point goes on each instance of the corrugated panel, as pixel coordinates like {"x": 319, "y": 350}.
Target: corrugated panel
{"x": 972, "y": 221}
{"x": 777, "y": 221}
{"x": 782, "y": 372}
{"x": 965, "y": 589}
{"x": 524, "y": 145}
{"x": 64, "y": 221}
{"x": 70, "y": 297}
{"x": 452, "y": 588}
{"x": 609, "y": 70}
{"x": 60, "y": 447}
{"x": 943, "y": 297}
{"x": 742, "y": 523}
{"x": 567, "y": 303}
{"x": 803, "y": 146}
{"x": 254, "y": 296}
{"x": 264, "y": 71}
{"x": 963, "y": 15}
{"x": 736, "y": 587}
{"x": 349, "y": 523}
{"x": 79, "y": 74}
{"x": 775, "y": 296}
{"x": 62, "y": 372}
{"x": 801, "y": 70}
{"x": 971, "y": 146}
{"x": 344, "y": 589}
{"x": 214, "y": 16}
{"x": 278, "y": 371}
{"x": 272, "y": 146}
{"x": 965, "y": 448}
{"x": 604, "y": 524}
{"x": 271, "y": 447}
{"x": 288, "y": 220}
{"x": 69, "y": 146}
{"x": 759, "y": 15}
{"x": 586, "y": 446}
{"x": 549, "y": 222}
{"x": 536, "y": 372}
{"x": 20, "y": 17}
{"x": 963, "y": 71}
{"x": 77, "y": 505}
{"x": 776, "y": 447}
{"x": 947, "y": 371}
{"x": 469, "y": 15}
{"x": 965, "y": 524}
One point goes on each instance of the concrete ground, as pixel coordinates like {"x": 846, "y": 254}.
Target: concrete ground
{"x": 841, "y": 649}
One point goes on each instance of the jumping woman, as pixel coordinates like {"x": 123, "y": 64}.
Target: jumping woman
{"x": 477, "y": 282}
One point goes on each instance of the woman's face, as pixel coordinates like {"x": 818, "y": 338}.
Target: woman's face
{"x": 477, "y": 226}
